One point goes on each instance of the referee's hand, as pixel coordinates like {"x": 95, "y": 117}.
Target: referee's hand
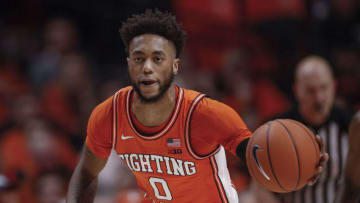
{"x": 324, "y": 157}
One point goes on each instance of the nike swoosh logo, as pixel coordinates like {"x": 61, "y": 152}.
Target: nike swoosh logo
{"x": 254, "y": 149}
{"x": 123, "y": 137}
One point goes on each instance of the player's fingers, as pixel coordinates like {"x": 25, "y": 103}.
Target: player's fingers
{"x": 319, "y": 169}
{"x": 313, "y": 181}
{"x": 323, "y": 159}
{"x": 317, "y": 173}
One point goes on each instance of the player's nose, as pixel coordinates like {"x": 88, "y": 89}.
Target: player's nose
{"x": 148, "y": 67}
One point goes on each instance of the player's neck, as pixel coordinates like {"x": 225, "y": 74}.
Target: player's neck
{"x": 154, "y": 114}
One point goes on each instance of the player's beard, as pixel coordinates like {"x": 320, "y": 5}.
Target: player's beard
{"x": 162, "y": 90}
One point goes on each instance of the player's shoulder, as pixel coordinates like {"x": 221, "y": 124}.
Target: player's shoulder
{"x": 190, "y": 95}
{"x": 104, "y": 109}
{"x": 213, "y": 104}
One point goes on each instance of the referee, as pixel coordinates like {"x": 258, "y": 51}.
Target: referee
{"x": 314, "y": 90}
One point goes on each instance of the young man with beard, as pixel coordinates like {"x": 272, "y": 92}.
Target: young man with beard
{"x": 172, "y": 139}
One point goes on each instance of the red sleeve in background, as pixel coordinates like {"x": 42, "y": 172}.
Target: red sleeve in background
{"x": 215, "y": 123}
{"x": 99, "y": 131}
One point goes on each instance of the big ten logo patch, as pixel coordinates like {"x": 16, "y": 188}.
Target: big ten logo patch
{"x": 175, "y": 151}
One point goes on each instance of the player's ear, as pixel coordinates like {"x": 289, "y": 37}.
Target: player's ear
{"x": 175, "y": 66}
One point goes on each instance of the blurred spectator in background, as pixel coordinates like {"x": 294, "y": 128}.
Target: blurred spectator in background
{"x": 251, "y": 93}
{"x": 279, "y": 24}
{"x": 212, "y": 29}
{"x": 12, "y": 83}
{"x": 347, "y": 63}
{"x": 38, "y": 148}
{"x": 69, "y": 98}
{"x": 9, "y": 189}
{"x": 117, "y": 183}
{"x": 329, "y": 17}
{"x": 60, "y": 39}
{"x": 51, "y": 186}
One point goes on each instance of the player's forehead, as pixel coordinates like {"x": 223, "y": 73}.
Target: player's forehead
{"x": 150, "y": 43}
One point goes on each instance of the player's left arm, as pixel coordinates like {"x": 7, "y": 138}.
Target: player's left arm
{"x": 214, "y": 124}
{"x": 351, "y": 191}
{"x": 235, "y": 135}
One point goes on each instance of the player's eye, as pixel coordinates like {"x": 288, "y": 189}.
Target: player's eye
{"x": 157, "y": 59}
{"x": 138, "y": 59}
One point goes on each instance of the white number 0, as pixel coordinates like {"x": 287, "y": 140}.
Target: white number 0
{"x": 163, "y": 183}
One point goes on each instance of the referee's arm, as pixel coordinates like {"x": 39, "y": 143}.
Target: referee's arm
{"x": 351, "y": 192}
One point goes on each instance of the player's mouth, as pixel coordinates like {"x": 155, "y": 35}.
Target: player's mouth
{"x": 148, "y": 83}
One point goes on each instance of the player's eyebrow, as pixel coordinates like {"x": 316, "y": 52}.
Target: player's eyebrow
{"x": 159, "y": 53}
{"x": 137, "y": 52}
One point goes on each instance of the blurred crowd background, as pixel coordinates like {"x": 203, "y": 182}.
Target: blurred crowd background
{"x": 59, "y": 59}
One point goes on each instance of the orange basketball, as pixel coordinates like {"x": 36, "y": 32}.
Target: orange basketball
{"x": 282, "y": 155}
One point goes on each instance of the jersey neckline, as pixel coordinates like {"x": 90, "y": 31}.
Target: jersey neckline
{"x": 170, "y": 121}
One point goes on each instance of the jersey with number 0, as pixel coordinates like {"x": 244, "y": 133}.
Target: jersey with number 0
{"x": 165, "y": 164}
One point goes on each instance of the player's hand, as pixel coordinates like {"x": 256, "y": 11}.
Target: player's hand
{"x": 324, "y": 157}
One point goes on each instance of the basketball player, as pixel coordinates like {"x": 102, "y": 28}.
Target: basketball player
{"x": 172, "y": 139}
{"x": 314, "y": 90}
{"x": 351, "y": 190}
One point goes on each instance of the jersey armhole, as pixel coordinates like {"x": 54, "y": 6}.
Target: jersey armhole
{"x": 193, "y": 105}
{"x": 115, "y": 119}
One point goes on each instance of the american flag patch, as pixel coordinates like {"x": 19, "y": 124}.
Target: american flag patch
{"x": 173, "y": 142}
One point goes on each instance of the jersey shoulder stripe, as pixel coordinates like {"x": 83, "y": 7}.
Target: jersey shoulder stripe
{"x": 194, "y": 103}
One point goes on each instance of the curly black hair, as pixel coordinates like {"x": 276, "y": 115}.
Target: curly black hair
{"x": 154, "y": 22}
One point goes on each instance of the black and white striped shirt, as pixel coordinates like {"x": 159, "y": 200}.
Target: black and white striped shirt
{"x": 335, "y": 136}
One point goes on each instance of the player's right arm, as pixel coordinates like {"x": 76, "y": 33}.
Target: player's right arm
{"x": 351, "y": 192}
{"x": 83, "y": 183}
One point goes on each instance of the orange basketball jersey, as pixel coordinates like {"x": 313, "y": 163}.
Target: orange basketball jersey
{"x": 164, "y": 164}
